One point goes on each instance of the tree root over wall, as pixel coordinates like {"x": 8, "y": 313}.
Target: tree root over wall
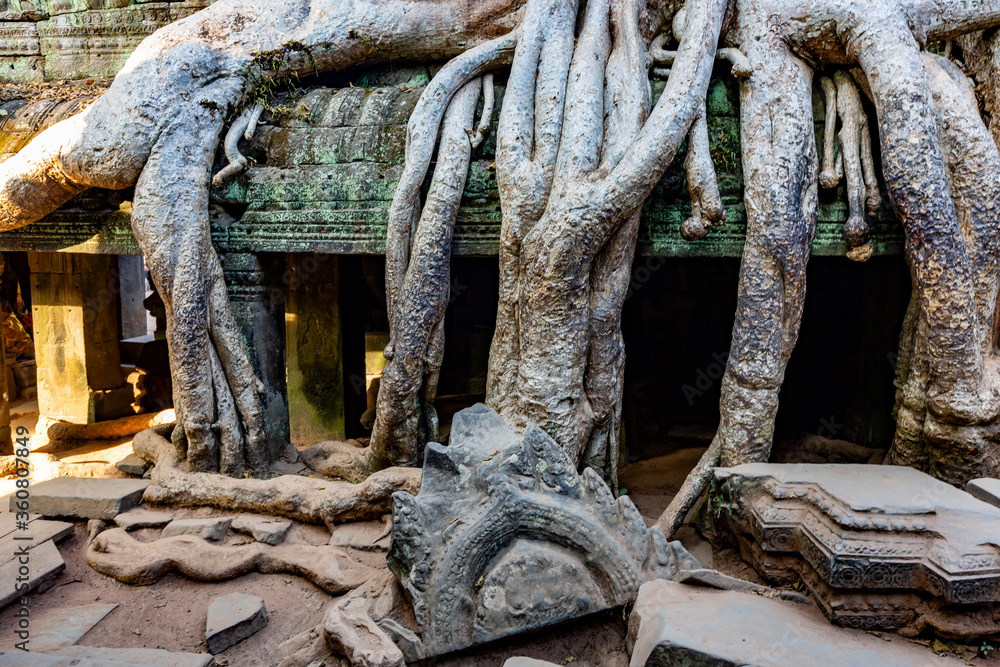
{"x": 293, "y": 496}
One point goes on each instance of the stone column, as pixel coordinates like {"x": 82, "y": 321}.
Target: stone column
{"x": 131, "y": 293}
{"x": 75, "y": 313}
{"x": 6, "y": 445}
{"x": 257, "y": 294}
{"x": 314, "y": 354}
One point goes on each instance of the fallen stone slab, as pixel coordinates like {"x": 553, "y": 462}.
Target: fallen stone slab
{"x": 44, "y": 565}
{"x": 986, "y": 489}
{"x": 363, "y": 535}
{"x": 212, "y": 529}
{"x": 133, "y": 465}
{"x": 142, "y": 518}
{"x": 90, "y": 656}
{"x": 715, "y": 579}
{"x": 232, "y": 618}
{"x": 9, "y": 522}
{"x": 31, "y": 535}
{"x": 674, "y": 624}
{"x": 64, "y": 627}
{"x": 267, "y": 530}
{"x": 527, "y": 662}
{"x": 84, "y": 498}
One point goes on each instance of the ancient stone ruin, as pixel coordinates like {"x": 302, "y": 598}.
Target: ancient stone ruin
{"x": 412, "y": 332}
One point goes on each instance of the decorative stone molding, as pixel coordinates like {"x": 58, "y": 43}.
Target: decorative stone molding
{"x": 877, "y": 546}
{"x": 326, "y": 184}
{"x": 506, "y": 536}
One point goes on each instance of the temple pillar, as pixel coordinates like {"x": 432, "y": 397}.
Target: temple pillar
{"x": 131, "y": 293}
{"x": 257, "y": 295}
{"x": 314, "y": 354}
{"x": 6, "y": 445}
{"x": 75, "y": 313}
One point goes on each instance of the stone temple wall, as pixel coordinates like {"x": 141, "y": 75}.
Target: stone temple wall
{"x": 58, "y": 40}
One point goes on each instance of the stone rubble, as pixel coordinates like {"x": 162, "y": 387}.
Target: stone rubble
{"x": 673, "y": 624}
{"x": 268, "y": 530}
{"x": 878, "y": 547}
{"x": 84, "y": 498}
{"x": 133, "y": 465}
{"x": 986, "y": 489}
{"x": 232, "y": 618}
{"x": 143, "y": 518}
{"x": 211, "y": 529}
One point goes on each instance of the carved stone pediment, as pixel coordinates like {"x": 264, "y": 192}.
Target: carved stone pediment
{"x": 871, "y": 543}
{"x": 506, "y": 536}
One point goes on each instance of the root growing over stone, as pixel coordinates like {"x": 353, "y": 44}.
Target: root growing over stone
{"x": 292, "y": 496}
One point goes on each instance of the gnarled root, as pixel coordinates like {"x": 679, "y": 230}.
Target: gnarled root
{"x": 157, "y": 127}
{"x": 957, "y": 445}
{"x": 300, "y": 498}
{"x": 570, "y": 193}
{"x": 418, "y": 260}
{"x": 780, "y": 164}
{"x": 368, "y": 627}
{"x": 117, "y": 554}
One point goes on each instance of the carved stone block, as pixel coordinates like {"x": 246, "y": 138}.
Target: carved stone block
{"x": 97, "y": 42}
{"x": 506, "y": 536}
{"x": 877, "y": 546}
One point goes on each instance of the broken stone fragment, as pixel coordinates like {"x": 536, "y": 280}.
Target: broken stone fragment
{"x": 143, "y": 518}
{"x": 92, "y": 656}
{"x": 527, "y": 662}
{"x": 883, "y": 547}
{"x": 267, "y": 530}
{"x": 716, "y": 579}
{"x": 212, "y": 529}
{"x": 232, "y": 618}
{"x": 364, "y": 535}
{"x": 84, "y": 498}
{"x": 133, "y": 465}
{"x": 986, "y": 489}
{"x": 46, "y": 566}
{"x": 64, "y": 626}
{"x": 674, "y": 624}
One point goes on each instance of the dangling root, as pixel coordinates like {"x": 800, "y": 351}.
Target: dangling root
{"x": 418, "y": 257}
{"x": 243, "y": 127}
{"x": 117, "y": 554}
{"x": 703, "y": 186}
{"x": 486, "y": 120}
{"x": 854, "y": 160}
{"x": 300, "y": 498}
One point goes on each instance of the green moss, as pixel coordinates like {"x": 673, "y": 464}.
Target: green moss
{"x": 268, "y": 75}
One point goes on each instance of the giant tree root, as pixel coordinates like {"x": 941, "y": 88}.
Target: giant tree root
{"x": 362, "y": 629}
{"x": 292, "y": 496}
{"x": 117, "y": 554}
